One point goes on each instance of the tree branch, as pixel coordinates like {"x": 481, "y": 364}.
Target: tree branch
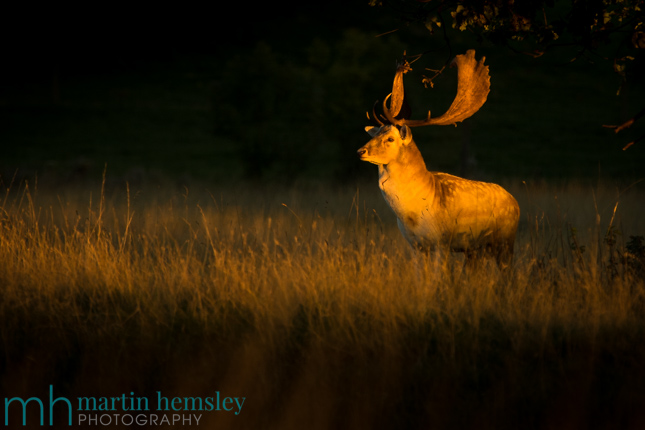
{"x": 633, "y": 142}
{"x": 626, "y": 124}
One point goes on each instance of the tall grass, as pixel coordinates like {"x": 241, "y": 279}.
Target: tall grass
{"x": 309, "y": 303}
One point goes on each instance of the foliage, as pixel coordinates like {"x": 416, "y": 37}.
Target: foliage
{"x": 545, "y": 23}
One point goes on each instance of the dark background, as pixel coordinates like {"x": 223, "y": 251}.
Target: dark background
{"x": 259, "y": 91}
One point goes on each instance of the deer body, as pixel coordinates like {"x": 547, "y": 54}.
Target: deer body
{"x": 437, "y": 209}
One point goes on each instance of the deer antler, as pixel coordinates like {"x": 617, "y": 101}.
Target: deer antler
{"x": 400, "y": 107}
{"x": 374, "y": 119}
{"x": 473, "y": 86}
{"x": 398, "y": 93}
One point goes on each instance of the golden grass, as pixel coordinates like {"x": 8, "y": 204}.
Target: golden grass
{"x": 310, "y": 304}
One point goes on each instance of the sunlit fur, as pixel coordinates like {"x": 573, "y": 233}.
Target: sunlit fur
{"x": 437, "y": 209}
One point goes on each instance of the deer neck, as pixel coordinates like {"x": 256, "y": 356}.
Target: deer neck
{"x": 406, "y": 182}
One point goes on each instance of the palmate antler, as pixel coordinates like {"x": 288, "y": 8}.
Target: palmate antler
{"x": 473, "y": 86}
{"x": 400, "y": 107}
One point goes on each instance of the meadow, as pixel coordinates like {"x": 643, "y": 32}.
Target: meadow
{"x": 309, "y": 303}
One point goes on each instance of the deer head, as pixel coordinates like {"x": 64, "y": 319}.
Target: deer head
{"x": 387, "y": 143}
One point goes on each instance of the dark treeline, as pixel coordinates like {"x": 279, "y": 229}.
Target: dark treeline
{"x": 265, "y": 91}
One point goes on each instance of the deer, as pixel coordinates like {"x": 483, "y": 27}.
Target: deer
{"x": 438, "y": 210}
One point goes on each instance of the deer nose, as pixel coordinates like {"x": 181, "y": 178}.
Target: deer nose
{"x": 361, "y": 152}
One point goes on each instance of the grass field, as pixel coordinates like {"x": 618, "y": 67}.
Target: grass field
{"x": 309, "y": 303}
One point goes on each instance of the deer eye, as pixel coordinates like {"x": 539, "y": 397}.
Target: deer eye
{"x": 390, "y": 139}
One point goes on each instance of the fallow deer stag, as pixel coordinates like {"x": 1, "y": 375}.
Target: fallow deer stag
{"x": 438, "y": 210}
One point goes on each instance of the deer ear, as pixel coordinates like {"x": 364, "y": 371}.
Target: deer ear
{"x": 406, "y": 134}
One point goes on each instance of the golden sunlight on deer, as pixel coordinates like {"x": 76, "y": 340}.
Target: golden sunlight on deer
{"x": 436, "y": 209}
